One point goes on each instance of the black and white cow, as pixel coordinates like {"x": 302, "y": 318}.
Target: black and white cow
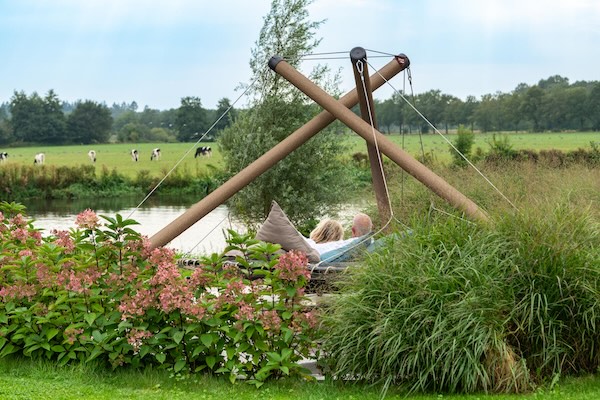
{"x": 3, "y": 156}
{"x": 203, "y": 151}
{"x": 155, "y": 154}
{"x": 134, "y": 155}
{"x": 92, "y": 155}
{"x": 39, "y": 158}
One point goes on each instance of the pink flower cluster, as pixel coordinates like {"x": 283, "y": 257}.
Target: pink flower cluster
{"x": 63, "y": 239}
{"x": 136, "y": 338}
{"x": 87, "y": 219}
{"x": 71, "y": 334}
{"x": 293, "y": 265}
{"x": 18, "y": 291}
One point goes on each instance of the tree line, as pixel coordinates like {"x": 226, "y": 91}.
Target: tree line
{"x": 553, "y": 104}
{"x": 34, "y": 119}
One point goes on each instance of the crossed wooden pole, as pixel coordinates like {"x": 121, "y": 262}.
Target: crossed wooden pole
{"x": 333, "y": 109}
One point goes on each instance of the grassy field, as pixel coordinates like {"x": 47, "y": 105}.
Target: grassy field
{"x": 182, "y": 154}
{"x": 438, "y": 146}
{"x": 118, "y": 156}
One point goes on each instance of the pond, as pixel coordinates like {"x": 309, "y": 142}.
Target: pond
{"x": 204, "y": 237}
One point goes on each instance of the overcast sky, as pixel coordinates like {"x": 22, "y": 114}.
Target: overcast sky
{"x": 155, "y": 52}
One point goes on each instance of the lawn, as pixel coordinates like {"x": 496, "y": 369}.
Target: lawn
{"x": 25, "y": 379}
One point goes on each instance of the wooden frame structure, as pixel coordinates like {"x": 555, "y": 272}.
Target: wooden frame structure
{"x": 339, "y": 109}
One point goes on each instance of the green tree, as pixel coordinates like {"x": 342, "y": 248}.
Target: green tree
{"x": 36, "y": 119}
{"x": 485, "y": 113}
{"x": 89, "y": 122}
{"x": 311, "y": 179}
{"x": 191, "y": 119}
{"x": 432, "y": 105}
{"x": 531, "y": 106}
{"x": 229, "y": 113}
{"x": 594, "y": 106}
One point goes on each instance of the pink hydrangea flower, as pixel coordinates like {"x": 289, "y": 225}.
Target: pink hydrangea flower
{"x": 292, "y": 265}
{"x": 87, "y": 219}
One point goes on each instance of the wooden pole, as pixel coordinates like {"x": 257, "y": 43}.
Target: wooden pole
{"x": 387, "y": 147}
{"x": 267, "y": 160}
{"x": 358, "y": 56}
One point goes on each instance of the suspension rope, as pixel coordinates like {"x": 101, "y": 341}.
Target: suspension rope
{"x": 450, "y": 143}
{"x": 190, "y": 149}
{"x": 433, "y": 207}
{"x": 360, "y": 69}
{"x": 189, "y": 252}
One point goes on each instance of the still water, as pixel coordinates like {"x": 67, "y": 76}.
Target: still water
{"x": 204, "y": 237}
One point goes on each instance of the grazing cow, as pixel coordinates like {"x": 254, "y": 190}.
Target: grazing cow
{"x": 92, "y": 155}
{"x": 203, "y": 151}
{"x": 134, "y": 155}
{"x": 3, "y": 156}
{"x": 155, "y": 154}
{"x": 40, "y": 158}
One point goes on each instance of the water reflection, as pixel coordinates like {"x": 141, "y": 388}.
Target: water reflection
{"x": 204, "y": 237}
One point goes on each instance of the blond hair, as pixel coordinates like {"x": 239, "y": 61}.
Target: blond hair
{"x": 327, "y": 230}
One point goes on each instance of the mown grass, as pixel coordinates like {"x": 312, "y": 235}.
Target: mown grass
{"x": 26, "y": 379}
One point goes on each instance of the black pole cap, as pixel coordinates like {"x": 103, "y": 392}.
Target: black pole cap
{"x": 274, "y": 61}
{"x": 405, "y": 58}
{"x": 358, "y": 53}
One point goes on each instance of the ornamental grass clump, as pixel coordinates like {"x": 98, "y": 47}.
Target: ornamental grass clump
{"x": 457, "y": 307}
{"x": 100, "y": 293}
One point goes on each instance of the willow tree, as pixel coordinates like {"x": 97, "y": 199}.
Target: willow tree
{"x": 311, "y": 180}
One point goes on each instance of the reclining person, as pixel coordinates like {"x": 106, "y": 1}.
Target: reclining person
{"x": 341, "y": 250}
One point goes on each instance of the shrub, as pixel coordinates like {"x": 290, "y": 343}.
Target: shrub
{"x": 462, "y": 146}
{"x": 464, "y": 308}
{"x": 100, "y": 293}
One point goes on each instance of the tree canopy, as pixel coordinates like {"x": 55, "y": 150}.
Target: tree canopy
{"x": 310, "y": 179}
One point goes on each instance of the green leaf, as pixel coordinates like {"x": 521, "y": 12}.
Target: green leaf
{"x": 286, "y": 353}
{"x": 90, "y": 318}
{"x": 197, "y": 350}
{"x": 179, "y": 365}
{"x": 211, "y": 361}
{"x": 161, "y": 357}
{"x": 274, "y": 356}
{"x": 2, "y": 342}
{"x": 8, "y": 349}
{"x": 285, "y": 369}
{"x": 178, "y": 336}
{"x": 144, "y": 350}
{"x": 51, "y": 333}
{"x": 58, "y": 348}
{"x": 98, "y": 337}
{"x": 206, "y": 339}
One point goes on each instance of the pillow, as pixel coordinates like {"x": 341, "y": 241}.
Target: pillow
{"x": 278, "y": 229}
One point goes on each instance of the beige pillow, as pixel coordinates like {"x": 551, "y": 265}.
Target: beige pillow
{"x": 278, "y": 229}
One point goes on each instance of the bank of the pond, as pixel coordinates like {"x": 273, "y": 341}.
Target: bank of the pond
{"x": 19, "y": 182}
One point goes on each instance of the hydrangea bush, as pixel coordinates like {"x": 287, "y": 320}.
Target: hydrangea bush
{"x": 100, "y": 293}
